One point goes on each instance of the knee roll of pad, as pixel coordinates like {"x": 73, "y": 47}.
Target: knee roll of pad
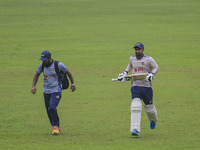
{"x": 151, "y": 112}
{"x": 136, "y": 104}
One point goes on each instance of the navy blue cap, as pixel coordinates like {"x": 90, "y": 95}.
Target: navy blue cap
{"x": 45, "y": 55}
{"x": 139, "y": 45}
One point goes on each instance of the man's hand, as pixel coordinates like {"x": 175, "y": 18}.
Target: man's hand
{"x": 33, "y": 90}
{"x": 35, "y": 79}
{"x": 73, "y": 87}
{"x": 121, "y": 76}
{"x": 150, "y": 77}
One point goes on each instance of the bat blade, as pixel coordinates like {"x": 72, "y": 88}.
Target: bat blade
{"x": 138, "y": 76}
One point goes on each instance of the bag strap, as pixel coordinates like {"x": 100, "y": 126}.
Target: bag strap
{"x": 56, "y": 67}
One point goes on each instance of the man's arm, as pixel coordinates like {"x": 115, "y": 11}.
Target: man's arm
{"x": 73, "y": 86}
{"x": 155, "y": 69}
{"x": 122, "y": 75}
{"x": 154, "y": 65}
{"x": 129, "y": 67}
{"x": 35, "y": 79}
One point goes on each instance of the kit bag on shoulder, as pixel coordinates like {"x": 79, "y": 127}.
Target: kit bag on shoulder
{"x": 61, "y": 76}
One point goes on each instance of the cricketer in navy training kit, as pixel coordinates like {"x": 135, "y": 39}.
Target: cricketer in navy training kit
{"x": 53, "y": 86}
{"x": 141, "y": 89}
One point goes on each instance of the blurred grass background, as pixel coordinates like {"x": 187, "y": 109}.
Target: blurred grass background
{"x": 94, "y": 39}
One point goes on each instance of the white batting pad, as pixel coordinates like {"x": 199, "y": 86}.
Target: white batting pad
{"x": 151, "y": 112}
{"x": 136, "y": 110}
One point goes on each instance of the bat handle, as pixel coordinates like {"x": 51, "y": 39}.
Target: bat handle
{"x": 114, "y": 79}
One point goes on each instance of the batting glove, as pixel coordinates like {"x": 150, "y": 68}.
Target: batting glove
{"x": 150, "y": 77}
{"x": 121, "y": 76}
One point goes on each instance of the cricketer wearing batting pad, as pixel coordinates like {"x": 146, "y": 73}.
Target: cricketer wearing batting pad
{"x": 52, "y": 87}
{"x": 141, "y": 89}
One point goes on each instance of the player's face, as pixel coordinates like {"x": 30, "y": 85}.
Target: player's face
{"x": 47, "y": 62}
{"x": 139, "y": 52}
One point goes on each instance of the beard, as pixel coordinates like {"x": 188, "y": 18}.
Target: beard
{"x": 139, "y": 55}
{"x": 48, "y": 64}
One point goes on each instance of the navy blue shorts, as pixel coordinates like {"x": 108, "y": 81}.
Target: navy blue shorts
{"x": 144, "y": 93}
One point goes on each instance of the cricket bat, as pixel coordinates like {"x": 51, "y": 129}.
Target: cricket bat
{"x": 138, "y": 76}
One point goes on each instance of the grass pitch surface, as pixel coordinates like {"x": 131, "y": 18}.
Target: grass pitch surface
{"x": 94, "y": 39}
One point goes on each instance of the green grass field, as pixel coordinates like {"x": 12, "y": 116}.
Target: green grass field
{"x": 94, "y": 39}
